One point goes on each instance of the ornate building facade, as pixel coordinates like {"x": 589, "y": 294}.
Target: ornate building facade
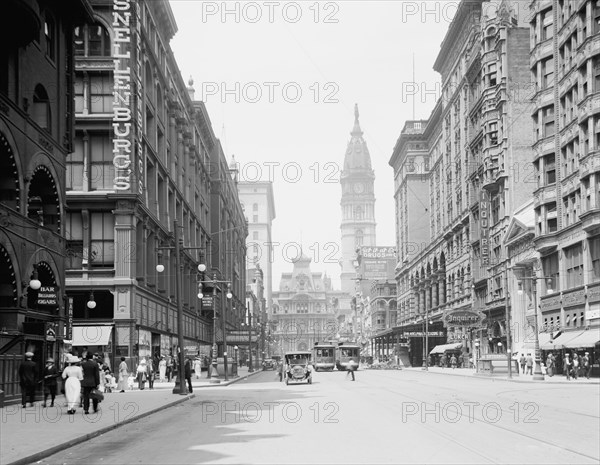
{"x": 304, "y": 308}
{"x": 565, "y": 65}
{"x": 36, "y": 136}
{"x": 139, "y": 170}
{"x": 474, "y": 154}
{"x": 358, "y": 204}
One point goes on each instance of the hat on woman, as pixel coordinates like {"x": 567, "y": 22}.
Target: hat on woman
{"x": 29, "y": 354}
{"x": 143, "y": 361}
{"x": 73, "y": 359}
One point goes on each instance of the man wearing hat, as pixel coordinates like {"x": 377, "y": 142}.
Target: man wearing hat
{"x": 586, "y": 365}
{"x": 50, "y": 381}
{"x": 91, "y": 381}
{"x": 28, "y": 374}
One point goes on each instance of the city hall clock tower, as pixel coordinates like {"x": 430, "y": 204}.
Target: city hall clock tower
{"x": 358, "y": 204}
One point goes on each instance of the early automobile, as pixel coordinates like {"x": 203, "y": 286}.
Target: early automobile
{"x": 268, "y": 364}
{"x": 298, "y": 367}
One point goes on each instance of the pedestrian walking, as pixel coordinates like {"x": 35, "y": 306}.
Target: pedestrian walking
{"x": 575, "y": 366}
{"x": 350, "y": 369}
{"x": 529, "y": 364}
{"x": 586, "y": 365}
{"x": 162, "y": 369}
{"x": 150, "y": 373}
{"x": 443, "y": 361}
{"x": 188, "y": 374}
{"x": 522, "y": 362}
{"x": 28, "y": 378}
{"x": 123, "y": 375}
{"x": 50, "y": 382}
{"x": 91, "y": 381}
{"x": 169, "y": 368}
{"x": 453, "y": 361}
{"x": 142, "y": 374}
{"x": 567, "y": 367}
{"x": 550, "y": 365}
{"x": 280, "y": 370}
{"x": 198, "y": 367}
{"x": 461, "y": 360}
{"x": 73, "y": 376}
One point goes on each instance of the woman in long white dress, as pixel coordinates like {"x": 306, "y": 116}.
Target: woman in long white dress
{"x": 198, "y": 368}
{"x": 73, "y": 374}
{"x": 123, "y": 375}
{"x": 162, "y": 369}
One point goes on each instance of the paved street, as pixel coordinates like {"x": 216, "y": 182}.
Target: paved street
{"x": 384, "y": 417}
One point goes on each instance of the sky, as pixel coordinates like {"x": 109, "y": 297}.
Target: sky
{"x": 280, "y": 80}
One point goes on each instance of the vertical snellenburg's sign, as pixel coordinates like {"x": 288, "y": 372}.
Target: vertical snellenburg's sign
{"x": 126, "y": 85}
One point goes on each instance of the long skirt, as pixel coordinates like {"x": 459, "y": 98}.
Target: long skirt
{"x": 122, "y": 383}
{"x": 72, "y": 392}
{"x": 198, "y": 370}
{"x": 163, "y": 373}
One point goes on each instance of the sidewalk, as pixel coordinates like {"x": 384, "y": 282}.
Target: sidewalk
{"x": 516, "y": 378}
{"x": 28, "y": 435}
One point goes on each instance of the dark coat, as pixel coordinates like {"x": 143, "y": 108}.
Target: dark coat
{"x": 188, "y": 368}
{"x": 28, "y": 373}
{"x": 91, "y": 373}
{"x": 50, "y": 375}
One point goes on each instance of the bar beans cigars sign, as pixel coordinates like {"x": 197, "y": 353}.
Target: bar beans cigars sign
{"x": 463, "y": 318}
{"x": 47, "y": 296}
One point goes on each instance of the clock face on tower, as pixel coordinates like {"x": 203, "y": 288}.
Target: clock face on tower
{"x": 359, "y": 187}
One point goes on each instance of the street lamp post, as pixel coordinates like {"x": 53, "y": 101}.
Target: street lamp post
{"x": 180, "y": 387}
{"x": 250, "y": 367}
{"x": 426, "y": 353}
{"x": 508, "y": 328}
{"x": 537, "y": 371}
{"x": 214, "y": 377}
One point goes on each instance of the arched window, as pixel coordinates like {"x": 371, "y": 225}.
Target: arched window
{"x": 98, "y": 41}
{"x": 41, "y": 108}
{"x": 91, "y": 40}
{"x": 358, "y": 238}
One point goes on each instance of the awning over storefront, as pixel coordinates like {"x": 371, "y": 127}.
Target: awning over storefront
{"x": 444, "y": 347}
{"x": 91, "y": 335}
{"x": 559, "y": 342}
{"x": 588, "y": 338}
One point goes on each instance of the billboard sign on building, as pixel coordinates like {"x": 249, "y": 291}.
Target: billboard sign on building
{"x": 127, "y": 97}
{"x": 377, "y": 263}
{"x": 463, "y": 318}
{"x": 484, "y": 226}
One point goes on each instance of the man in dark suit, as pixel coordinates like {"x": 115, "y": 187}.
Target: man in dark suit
{"x": 91, "y": 380}
{"x": 188, "y": 374}
{"x": 28, "y": 376}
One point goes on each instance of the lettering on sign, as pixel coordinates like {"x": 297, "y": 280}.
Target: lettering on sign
{"x": 550, "y": 303}
{"x": 574, "y": 298}
{"x": 47, "y": 296}
{"x": 122, "y": 120}
{"x": 593, "y": 294}
{"x": 484, "y": 226}
{"x": 378, "y": 252}
{"x": 462, "y": 318}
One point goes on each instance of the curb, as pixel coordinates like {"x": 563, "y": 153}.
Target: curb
{"x": 503, "y": 378}
{"x": 73, "y": 442}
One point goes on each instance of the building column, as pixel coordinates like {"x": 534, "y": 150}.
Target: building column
{"x": 434, "y": 293}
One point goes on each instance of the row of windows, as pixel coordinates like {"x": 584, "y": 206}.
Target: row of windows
{"x": 575, "y": 267}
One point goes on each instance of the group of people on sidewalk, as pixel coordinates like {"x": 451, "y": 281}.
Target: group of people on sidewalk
{"x": 573, "y": 365}
{"x": 81, "y": 379}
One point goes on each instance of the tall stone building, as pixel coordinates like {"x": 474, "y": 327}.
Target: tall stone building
{"x": 358, "y": 204}
{"x": 258, "y": 202}
{"x": 565, "y": 65}
{"x": 36, "y": 136}
{"x": 145, "y": 161}
{"x": 468, "y": 154}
